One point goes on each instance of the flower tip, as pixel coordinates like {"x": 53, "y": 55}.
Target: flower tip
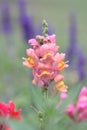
{"x": 63, "y": 95}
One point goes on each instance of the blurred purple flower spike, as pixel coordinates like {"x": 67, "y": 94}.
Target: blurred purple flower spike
{"x": 71, "y": 51}
{"x": 74, "y": 52}
{"x": 6, "y": 18}
{"x": 27, "y": 27}
{"x": 80, "y": 64}
{"x": 26, "y": 22}
{"x": 22, "y": 5}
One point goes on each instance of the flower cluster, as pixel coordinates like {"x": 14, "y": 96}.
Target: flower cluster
{"x": 78, "y": 111}
{"x": 8, "y": 111}
{"x": 46, "y": 62}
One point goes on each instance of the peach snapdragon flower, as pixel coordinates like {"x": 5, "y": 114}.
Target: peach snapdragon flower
{"x": 46, "y": 62}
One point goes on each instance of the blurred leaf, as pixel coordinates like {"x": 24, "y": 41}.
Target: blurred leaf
{"x": 20, "y": 126}
{"x": 72, "y": 95}
{"x": 37, "y": 97}
{"x": 79, "y": 126}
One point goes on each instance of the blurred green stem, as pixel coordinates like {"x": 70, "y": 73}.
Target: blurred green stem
{"x": 45, "y": 92}
{"x": 45, "y": 28}
{"x": 41, "y": 119}
{"x": 42, "y": 114}
{"x": 41, "y": 125}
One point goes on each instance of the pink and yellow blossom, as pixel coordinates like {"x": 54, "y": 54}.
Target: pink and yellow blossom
{"x": 46, "y": 62}
{"x": 31, "y": 61}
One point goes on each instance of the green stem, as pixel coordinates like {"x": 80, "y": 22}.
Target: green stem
{"x": 45, "y": 94}
{"x": 41, "y": 125}
{"x": 41, "y": 119}
{"x": 41, "y": 115}
{"x": 45, "y": 28}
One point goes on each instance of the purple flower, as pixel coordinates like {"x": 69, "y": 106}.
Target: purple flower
{"x": 27, "y": 27}
{"x": 80, "y": 64}
{"x": 26, "y": 22}
{"x": 6, "y": 18}
{"x": 22, "y": 5}
{"x": 71, "y": 51}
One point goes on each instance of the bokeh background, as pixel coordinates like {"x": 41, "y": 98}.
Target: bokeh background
{"x": 21, "y": 20}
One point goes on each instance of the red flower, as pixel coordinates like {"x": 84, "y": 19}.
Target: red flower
{"x": 3, "y": 109}
{"x": 12, "y": 113}
{"x": 8, "y": 110}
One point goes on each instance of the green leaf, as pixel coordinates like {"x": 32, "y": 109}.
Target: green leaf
{"x": 72, "y": 95}
{"x": 79, "y": 126}
{"x": 20, "y": 126}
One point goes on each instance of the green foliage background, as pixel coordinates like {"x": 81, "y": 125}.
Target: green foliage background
{"x": 15, "y": 79}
